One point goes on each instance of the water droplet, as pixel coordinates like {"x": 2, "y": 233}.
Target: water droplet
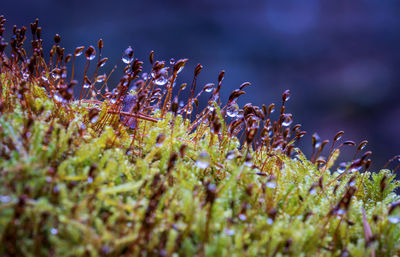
{"x": 355, "y": 169}
{"x": 229, "y": 231}
{"x": 44, "y": 78}
{"x": 189, "y": 109}
{"x": 86, "y": 85}
{"x": 79, "y": 50}
{"x": 58, "y": 98}
{"x": 90, "y": 180}
{"x": 5, "y": 198}
{"x": 94, "y": 119}
{"x": 394, "y": 219}
{"x": 209, "y": 87}
{"x": 161, "y": 81}
{"x": 179, "y": 70}
{"x": 340, "y": 212}
{"x": 103, "y": 62}
{"x": 242, "y": 217}
{"x": 270, "y": 221}
{"x": 313, "y": 191}
{"x": 230, "y": 155}
{"x": 144, "y": 76}
{"x": 172, "y": 61}
{"x": 342, "y": 167}
{"x": 248, "y": 163}
{"x": 287, "y": 120}
{"x": 203, "y": 161}
{"x": 317, "y": 140}
{"x": 90, "y": 53}
{"x": 127, "y": 58}
{"x": 101, "y": 78}
{"x": 232, "y": 110}
{"x": 55, "y": 74}
{"x": 271, "y": 184}
{"x": 161, "y": 78}
{"x": 54, "y": 231}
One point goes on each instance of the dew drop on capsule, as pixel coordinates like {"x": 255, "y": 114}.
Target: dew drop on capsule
{"x": 342, "y": 167}
{"x": 161, "y": 81}
{"x": 161, "y": 78}
{"x": 79, "y": 50}
{"x": 5, "y": 198}
{"x": 58, "y": 98}
{"x": 101, "y": 78}
{"x": 209, "y": 87}
{"x": 127, "y": 58}
{"x": 287, "y": 120}
{"x": 90, "y": 53}
{"x": 232, "y": 110}
{"x": 189, "y": 110}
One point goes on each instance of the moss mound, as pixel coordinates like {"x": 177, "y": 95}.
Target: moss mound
{"x": 134, "y": 172}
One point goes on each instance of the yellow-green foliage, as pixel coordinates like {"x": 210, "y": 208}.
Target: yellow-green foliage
{"x": 76, "y": 182}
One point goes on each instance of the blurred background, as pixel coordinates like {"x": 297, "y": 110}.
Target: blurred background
{"x": 340, "y": 59}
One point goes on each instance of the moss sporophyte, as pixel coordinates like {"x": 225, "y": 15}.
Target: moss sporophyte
{"x": 137, "y": 171}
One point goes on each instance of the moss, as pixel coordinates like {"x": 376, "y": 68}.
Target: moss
{"x": 103, "y": 176}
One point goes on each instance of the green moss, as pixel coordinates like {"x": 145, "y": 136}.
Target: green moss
{"x": 76, "y": 181}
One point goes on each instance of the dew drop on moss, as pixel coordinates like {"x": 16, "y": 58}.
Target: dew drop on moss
{"x": 127, "y": 58}
{"x": 232, "y": 110}
{"x": 229, "y": 231}
{"x": 189, "y": 110}
{"x": 230, "y": 155}
{"x": 287, "y": 120}
{"x": 58, "y": 98}
{"x": 209, "y": 87}
{"x": 101, "y": 78}
{"x": 242, "y": 217}
{"x": 161, "y": 78}
{"x": 5, "y": 198}
{"x": 342, "y": 167}
{"x": 394, "y": 219}
{"x": 271, "y": 184}
{"x": 90, "y": 53}
{"x": 94, "y": 119}
{"x": 203, "y": 161}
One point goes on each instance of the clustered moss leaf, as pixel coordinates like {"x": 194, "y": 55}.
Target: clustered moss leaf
{"x": 76, "y": 181}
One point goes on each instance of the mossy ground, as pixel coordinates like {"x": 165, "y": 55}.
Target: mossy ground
{"x": 76, "y": 181}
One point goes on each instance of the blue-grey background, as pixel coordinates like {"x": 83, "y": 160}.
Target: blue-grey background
{"x": 340, "y": 59}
